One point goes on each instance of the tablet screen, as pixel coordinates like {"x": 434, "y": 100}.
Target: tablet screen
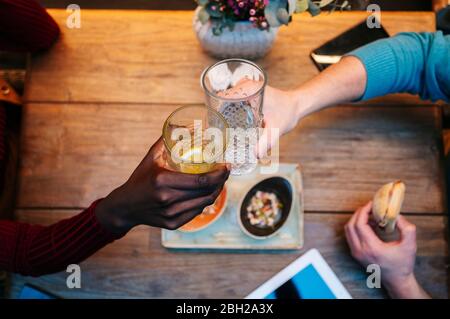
{"x": 307, "y": 277}
{"x": 306, "y": 284}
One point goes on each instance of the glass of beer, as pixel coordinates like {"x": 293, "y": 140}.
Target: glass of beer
{"x": 196, "y": 140}
{"x": 235, "y": 88}
{"x": 195, "y": 137}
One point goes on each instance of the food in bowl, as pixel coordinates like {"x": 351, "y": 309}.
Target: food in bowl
{"x": 209, "y": 215}
{"x": 264, "y": 209}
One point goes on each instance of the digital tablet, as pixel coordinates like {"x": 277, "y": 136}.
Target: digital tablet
{"x": 32, "y": 292}
{"x": 308, "y": 277}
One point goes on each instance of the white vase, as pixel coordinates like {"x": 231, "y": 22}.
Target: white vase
{"x": 245, "y": 41}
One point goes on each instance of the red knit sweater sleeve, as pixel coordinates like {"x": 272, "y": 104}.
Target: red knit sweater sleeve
{"x": 38, "y": 250}
{"x": 26, "y": 26}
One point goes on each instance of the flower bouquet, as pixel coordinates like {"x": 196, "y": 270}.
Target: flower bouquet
{"x": 247, "y": 28}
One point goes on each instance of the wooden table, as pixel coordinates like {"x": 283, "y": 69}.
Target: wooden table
{"x": 97, "y": 101}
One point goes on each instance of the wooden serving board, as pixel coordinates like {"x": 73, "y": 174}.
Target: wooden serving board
{"x": 225, "y": 233}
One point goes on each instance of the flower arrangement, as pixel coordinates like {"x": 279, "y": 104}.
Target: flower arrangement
{"x": 263, "y": 14}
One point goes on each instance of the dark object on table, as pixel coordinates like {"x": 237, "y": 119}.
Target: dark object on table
{"x": 283, "y": 191}
{"x": 356, "y": 37}
{"x": 13, "y": 66}
{"x": 443, "y": 20}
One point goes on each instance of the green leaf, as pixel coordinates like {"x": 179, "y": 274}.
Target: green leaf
{"x": 230, "y": 25}
{"x": 213, "y": 13}
{"x": 270, "y": 13}
{"x": 344, "y": 5}
{"x": 217, "y": 30}
{"x": 203, "y": 16}
{"x": 324, "y": 3}
{"x": 292, "y": 4}
{"x": 302, "y": 6}
{"x": 283, "y": 4}
{"x": 313, "y": 8}
{"x": 283, "y": 16}
{"x": 202, "y": 2}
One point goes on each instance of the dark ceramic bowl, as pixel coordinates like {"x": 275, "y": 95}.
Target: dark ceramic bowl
{"x": 283, "y": 189}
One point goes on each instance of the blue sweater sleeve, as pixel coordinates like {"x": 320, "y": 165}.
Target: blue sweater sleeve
{"x": 417, "y": 63}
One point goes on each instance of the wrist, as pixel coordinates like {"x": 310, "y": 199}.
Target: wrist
{"x": 112, "y": 215}
{"x": 301, "y": 103}
{"x": 405, "y": 288}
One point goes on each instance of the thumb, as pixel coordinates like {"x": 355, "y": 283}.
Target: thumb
{"x": 407, "y": 229}
{"x": 157, "y": 149}
{"x": 268, "y": 138}
{"x": 154, "y": 155}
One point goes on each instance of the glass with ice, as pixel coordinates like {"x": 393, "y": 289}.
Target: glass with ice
{"x": 235, "y": 88}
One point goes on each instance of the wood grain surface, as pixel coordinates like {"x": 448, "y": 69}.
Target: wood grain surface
{"x": 75, "y": 153}
{"x": 153, "y": 56}
{"x": 97, "y": 101}
{"x": 138, "y": 266}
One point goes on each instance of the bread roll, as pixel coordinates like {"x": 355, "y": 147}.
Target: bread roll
{"x": 387, "y": 204}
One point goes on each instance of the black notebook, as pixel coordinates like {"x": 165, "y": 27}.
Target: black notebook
{"x": 332, "y": 51}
